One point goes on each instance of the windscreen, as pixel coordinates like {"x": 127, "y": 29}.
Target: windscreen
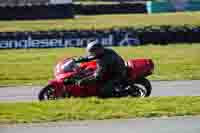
{"x": 66, "y": 66}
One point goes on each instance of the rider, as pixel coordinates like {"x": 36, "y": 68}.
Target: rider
{"x": 109, "y": 63}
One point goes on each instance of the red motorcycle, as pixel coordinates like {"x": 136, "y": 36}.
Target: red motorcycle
{"x": 67, "y": 73}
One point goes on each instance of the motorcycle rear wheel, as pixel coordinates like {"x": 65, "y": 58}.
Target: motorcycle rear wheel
{"x": 140, "y": 88}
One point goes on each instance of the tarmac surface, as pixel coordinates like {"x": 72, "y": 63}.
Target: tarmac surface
{"x": 159, "y": 88}
{"x": 143, "y": 125}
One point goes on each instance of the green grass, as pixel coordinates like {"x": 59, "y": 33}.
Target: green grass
{"x": 103, "y": 21}
{"x": 98, "y": 109}
{"x": 35, "y": 66}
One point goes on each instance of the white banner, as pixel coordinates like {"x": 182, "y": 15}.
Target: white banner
{"x": 45, "y": 42}
{"x": 60, "y": 1}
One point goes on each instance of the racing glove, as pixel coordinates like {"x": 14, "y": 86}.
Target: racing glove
{"x": 86, "y": 81}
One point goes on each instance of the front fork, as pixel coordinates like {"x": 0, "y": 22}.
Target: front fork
{"x": 59, "y": 88}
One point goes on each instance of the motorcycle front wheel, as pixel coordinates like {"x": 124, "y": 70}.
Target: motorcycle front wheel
{"x": 46, "y": 93}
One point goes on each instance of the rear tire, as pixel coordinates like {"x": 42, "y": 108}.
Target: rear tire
{"x": 141, "y": 88}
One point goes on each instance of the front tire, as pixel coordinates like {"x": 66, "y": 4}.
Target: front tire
{"x": 46, "y": 93}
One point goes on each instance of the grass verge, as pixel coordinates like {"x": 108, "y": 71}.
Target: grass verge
{"x": 98, "y": 109}
{"x": 35, "y": 66}
{"x": 103, "y": 22}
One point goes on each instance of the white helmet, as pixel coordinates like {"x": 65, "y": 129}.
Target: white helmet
{"x": 93, "y": 47}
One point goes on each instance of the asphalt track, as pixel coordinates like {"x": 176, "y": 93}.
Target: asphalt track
{"x": 160, "y": 88}
{"x": 144, "y": 125}
{"x": 153, "y": 125}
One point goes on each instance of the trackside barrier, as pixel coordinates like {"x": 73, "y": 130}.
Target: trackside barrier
{"x": 36, "y": 12}
{"x": 92, "y": 9}
{"x": 160, "y": 35}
